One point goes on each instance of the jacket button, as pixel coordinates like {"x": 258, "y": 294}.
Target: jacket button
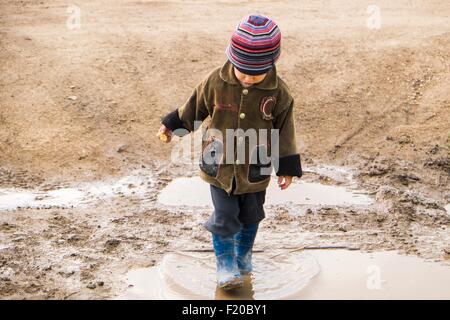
{"x": 245, "y": 91}
{"x": 237, "y": 162}
{"x": 242, "y": 115}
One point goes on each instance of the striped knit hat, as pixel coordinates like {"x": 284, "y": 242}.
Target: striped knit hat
{"x": 255, "y": 45}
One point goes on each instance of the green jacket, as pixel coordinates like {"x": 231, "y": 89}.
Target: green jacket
{"x": 228, "y": 154}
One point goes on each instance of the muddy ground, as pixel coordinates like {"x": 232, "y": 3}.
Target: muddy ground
{"x": 84, "y": 104}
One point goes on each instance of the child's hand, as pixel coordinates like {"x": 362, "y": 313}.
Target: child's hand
{"x": 164, "y": 134}
{"x": 286, "y": 183}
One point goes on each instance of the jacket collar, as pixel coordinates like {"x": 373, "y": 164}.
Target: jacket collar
{"x": 270, "y": 82}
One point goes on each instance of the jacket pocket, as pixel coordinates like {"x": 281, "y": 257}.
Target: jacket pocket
{"x": 211, "y": 157}
{"x": 260, "y": 166}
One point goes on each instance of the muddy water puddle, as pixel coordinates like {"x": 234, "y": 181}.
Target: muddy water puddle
{"x": 311, "y": 274}
{"x": 192, "y": 191}
{"x": 186, "y": 191}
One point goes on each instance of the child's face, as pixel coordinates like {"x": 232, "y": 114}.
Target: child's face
{"x": 248, "y": 80}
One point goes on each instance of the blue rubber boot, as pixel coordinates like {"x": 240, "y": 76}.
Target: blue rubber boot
{"x": 228, "y": 275}
{"x": 244, "y": 245}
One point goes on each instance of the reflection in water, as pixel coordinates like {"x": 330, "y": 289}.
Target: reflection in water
{"x": 343, "y": 275}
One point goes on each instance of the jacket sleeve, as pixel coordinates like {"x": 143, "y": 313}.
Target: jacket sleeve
{"x": 289, "y": 163}
{"x": 185, "y": 117}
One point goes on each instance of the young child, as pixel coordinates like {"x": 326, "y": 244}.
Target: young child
{"x": 244, "y": 94}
